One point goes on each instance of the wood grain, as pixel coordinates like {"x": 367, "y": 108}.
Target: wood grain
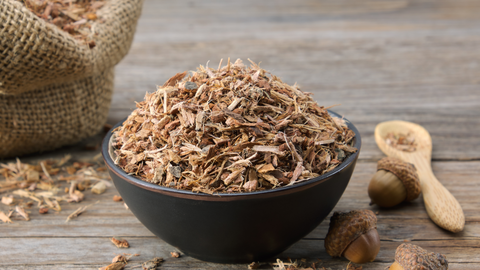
{"x": 381, "y": 60}
{"x": 95, "y": 252}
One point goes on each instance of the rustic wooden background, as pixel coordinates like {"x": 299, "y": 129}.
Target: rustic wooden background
{"x": 381, "y": 60}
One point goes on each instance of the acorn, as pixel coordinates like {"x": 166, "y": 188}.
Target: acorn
{"x": 394, "y": 182}
{"x": 412, "y": 257}
{"x": 353, "y": 235}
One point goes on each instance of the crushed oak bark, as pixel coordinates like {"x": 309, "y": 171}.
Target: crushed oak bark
{"x": 231, "y": 129}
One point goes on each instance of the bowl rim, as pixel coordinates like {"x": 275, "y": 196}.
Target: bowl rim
{"x": 227, "y": 196}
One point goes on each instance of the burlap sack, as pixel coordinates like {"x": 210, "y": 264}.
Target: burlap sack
{"x": 54, "y": 115}
{"x": 55, "y": 90}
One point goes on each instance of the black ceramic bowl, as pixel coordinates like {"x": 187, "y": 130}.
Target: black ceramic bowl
{"x": 233, "y": 228}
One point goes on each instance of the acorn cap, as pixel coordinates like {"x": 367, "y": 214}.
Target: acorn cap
{"x": 406, "y": 172}
{"x": 412, "y": 257}
{"x": 345, "y": 227}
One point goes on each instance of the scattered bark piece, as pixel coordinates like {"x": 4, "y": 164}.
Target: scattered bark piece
{"x": 41, "y": 186}
{"x": 33, "y": 175}
{"x": 114, "y": 266}
{"x": 45, "y": 171}
{"x": 152, "y": 264}
{"x": 81, "y": 186}
{"x": 71, "y": 170}
{"x": 253, "y": 265}
{"x": 76, "y": 196}
{"x": 22, "y": 212}
{"x": 78, "y": 212}
{"x": 120, "y": 243}
{"x": 8, "y": 200}
{"x": 53, "y": 204}
{"x": 125, "y": 257}
{"x": 5, "y": 218}
{"x": 119, "y": 258}
{"x": 32, "y": 187}
{"x": 99, "y": 188}
{"x": 280, "y": 265}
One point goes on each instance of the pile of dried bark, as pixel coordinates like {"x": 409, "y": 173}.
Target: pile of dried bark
{"x": 231, "y": 129}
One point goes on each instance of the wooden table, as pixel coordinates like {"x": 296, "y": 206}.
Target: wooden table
{"x": 381, "y": 60}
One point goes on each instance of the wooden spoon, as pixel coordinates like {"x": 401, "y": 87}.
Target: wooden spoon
{"x": 441, "y": 206}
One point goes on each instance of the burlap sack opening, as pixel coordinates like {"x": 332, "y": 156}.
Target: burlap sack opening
{"x": 36, "y": 53}
{"x": 55, "y": 90}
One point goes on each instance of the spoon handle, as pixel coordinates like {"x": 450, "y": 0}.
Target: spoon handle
{"x": 441, "y": 205}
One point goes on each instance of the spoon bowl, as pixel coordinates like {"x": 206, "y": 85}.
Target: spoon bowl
{"x": 440, "y": 204}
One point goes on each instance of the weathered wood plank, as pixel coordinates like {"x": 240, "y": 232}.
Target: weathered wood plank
{"x": 99, "y": 251}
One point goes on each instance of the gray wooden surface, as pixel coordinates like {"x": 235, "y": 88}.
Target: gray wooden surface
{"x": 380, "y": 59}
